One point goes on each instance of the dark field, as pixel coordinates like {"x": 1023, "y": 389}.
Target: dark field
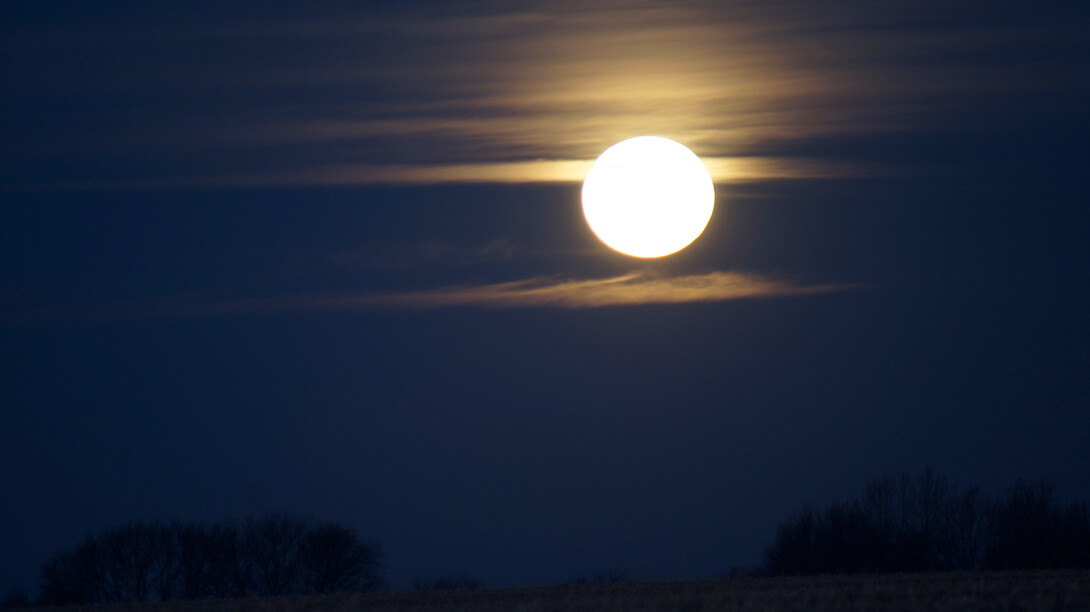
{"x": 1024, "y": 591}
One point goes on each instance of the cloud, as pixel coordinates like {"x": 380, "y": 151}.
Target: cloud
{"x": 722, "y": 169}
{"x": 542, "y": 292}
{"x": 525, "y": 94}
{"x": 626, "y": 290}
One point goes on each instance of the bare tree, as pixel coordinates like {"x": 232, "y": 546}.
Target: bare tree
{"x": 923, "y": 523}
{"x": 271, "y": 549}
{"x": 332, "y": 559}
{"x": 1075, "y": 547}
{"x": 275, "y": 555}
{"x": 167, "y": 567}
{"x": 794, "y": 549}
{"x": 131, "y": 554}
{"x": 230, "y": 561}
{"x": 208, "y": 561}
{"x": 77, "y": 577}
{"x": 967, "y": 530}
{"x": 1030, "y": 529}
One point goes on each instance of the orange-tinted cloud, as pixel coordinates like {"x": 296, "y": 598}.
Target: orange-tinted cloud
{"x": 541, "y": 292}
{"x": 545, "y": 292}
{"x": 496, "y": 93}
{"x": 626, "y": 290}
{"x": 722, "y": 170}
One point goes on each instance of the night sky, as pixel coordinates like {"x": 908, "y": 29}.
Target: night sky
{"x": 330, "y": 259}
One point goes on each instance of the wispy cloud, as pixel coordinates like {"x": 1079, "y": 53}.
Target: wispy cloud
{"x": 633, "y": 289}
{"x": 626, "y": 290}
{"x": 722, "y": 170}
{"x": 523, "y": 94}
{"x": 542, "y": 292}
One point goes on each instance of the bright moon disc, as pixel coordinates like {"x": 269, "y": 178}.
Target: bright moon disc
{"x": 648, "y": 196}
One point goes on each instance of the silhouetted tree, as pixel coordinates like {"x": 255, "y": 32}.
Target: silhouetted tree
{"x": 126, "y": 563}
{"x": 1030, "y": 529}
{"x": 929, "y": 497}
{"x": 77, "y": 577}
{"x": 130, "y": 553}
{"x": 206, "y": 561}
{"x": 332, "y": 559}
{"x": 839, "y": 539}
{"x": 271, "y": 547}
{"x": 846, "y": 542}
{"x": 273, "y": 556}
{"x": 883, "y": 508}
{"x": 794, "y": 550}
{"x": 1075, "y": 549}
{"x": 967, "y": 530}
{"x": 231, "y": 562}
{"x": 166, "y": 568}
{"x": 923, "y": 523}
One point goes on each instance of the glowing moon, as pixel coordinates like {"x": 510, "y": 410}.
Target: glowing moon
{"x": 648, "y": 196}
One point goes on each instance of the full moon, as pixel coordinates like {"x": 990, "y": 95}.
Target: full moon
{"x": 648, "y": 196}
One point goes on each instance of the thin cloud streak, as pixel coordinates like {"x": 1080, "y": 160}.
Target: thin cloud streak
{"x": 542, "y": 292}
{"x": 722, "y": 169}
{"x": 627, "y": 290}
{"x": 633, "y": 289}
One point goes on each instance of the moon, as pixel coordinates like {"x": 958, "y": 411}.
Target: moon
{"x": 648, "y": 196}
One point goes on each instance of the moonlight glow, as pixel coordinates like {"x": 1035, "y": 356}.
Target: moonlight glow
{"x": 648, "y": 196}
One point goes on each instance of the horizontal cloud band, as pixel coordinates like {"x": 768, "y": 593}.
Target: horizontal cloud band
{"x": 546, "y": 292}
{"x": 540, "y": 292}
{"x": 631, "y": 289}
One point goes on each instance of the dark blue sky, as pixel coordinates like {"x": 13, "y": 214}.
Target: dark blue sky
{"x": 331, "y": 260}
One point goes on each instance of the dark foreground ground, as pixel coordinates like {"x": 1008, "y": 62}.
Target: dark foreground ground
{"x": 1023, "y": 591}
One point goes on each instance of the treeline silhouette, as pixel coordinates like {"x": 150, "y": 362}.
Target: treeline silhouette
{"x": 917, "y": 523}
{"x": 274, "y": 555}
